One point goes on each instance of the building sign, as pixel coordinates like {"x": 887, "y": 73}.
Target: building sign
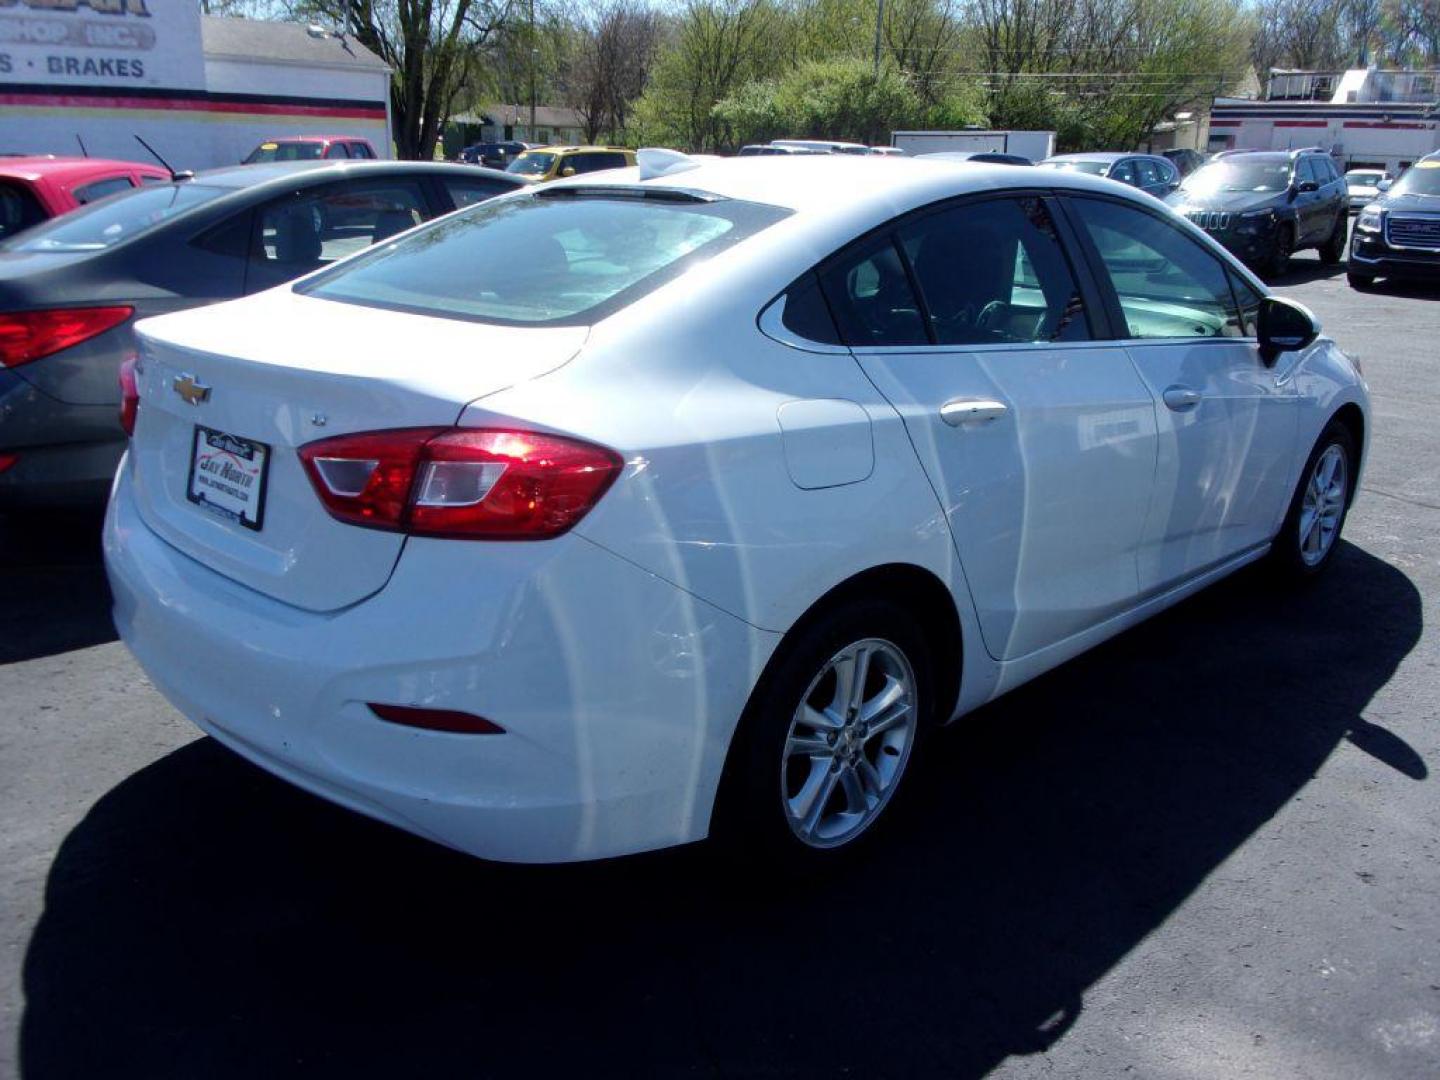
{"x": 111, "y": 43}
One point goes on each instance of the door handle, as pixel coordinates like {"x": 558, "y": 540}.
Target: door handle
{"x": 1181, "y": 398}
{"x": 972, "y": 411}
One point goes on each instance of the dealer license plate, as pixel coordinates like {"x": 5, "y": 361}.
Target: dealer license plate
{"x": 227, "y": 476}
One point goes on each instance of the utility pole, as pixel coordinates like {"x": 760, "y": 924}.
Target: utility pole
{"x": 533, "y": 51}
{"x": 879, "y": 25}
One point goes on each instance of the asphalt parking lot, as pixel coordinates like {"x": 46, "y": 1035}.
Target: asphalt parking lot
{"x": 1210, "y": 848}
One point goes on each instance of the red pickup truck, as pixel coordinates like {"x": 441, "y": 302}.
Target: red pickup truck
{"x": 34, "y": 189}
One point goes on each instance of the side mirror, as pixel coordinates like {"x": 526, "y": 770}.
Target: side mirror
{"x": 1306, "y": 186}
{"x": 1284, "y": 326}
{"x": 1384, "y": 185}
{"x": 568, "y": 170}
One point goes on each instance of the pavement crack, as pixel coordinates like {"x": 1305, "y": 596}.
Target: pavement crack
{"x": 1399, "y": 498}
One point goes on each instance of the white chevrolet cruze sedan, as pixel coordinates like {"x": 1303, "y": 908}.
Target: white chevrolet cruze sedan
{"x": 682, "y": 501}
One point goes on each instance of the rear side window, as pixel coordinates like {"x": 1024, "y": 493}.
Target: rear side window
{"x": 92, "y": 192}
{"x": 870, "y": 294}
{"x": 806, "y": 314}
{"x": 465, "y": 193}
{"x": 994, "y": 272}
{"x": 567, "y": 259}
{"x": 19, "y": 209}
{"x": 360, "y": 150}
{"x": 337, "y": 150}
{"x": 1124, "y": 171}
{"x": 1168, "y": 285}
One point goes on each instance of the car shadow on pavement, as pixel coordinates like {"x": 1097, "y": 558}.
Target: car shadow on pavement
{"x": 207, "y": 920}
{"x": 53, "y": 593}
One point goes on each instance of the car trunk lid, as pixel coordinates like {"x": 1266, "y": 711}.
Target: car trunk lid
{"x": 281, "y": 370}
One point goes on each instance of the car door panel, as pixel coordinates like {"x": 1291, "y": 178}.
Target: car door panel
{"x": 1046, "y": 500}
{"x": 1225, "y": 423}
{"x": 1039, "y": 443}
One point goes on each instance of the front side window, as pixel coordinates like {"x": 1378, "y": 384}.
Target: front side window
{"x": 1168, "y": 285}
{"x": 1249, "y": 300}
{"x": 1148, "y": 172}
{"x": 105, "y": 224}
{"x": 568, "y": 259}
{"x": 1124, "y": 171}
{"x": 994, "y": 272}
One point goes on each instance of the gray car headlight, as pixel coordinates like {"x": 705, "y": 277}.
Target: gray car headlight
{"x": 1368, "y": 219}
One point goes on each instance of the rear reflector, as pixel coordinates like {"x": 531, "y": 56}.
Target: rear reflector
{"x": 468, "y": 483}
{"x": 6, "y": 460}
{"x": 30, "y": 335}
{"x": 461, "y": 723}
{"x": 129, "y": 393}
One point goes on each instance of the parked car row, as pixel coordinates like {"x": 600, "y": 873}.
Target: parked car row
{"x": 72, "y": 290}
{"x": 686, "y": 501}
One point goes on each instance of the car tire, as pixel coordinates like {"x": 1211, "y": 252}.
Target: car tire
{"x": 1307, "y": 541}
{"x": 809, "y": 777}
{"x": 1332, "y": 252}
{"x": 1360, "y": 281}
{"x": 1279, "y": 260}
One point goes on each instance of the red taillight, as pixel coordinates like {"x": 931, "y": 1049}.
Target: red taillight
{"x": 29, "y": 335}
{"x": 461, "y": 723}
{"x": 129, "y": 393}
{"x": 7, "y": 460}
{"x": 471, "y": 483}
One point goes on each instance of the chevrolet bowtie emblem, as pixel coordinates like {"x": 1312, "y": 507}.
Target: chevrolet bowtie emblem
{"x": 191, "y": 390}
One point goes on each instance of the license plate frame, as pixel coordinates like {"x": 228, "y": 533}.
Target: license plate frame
{"x": 227, "y": 486}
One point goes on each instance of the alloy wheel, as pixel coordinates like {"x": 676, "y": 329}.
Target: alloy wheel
{"x": 849, "y": 742}
{"x": 1323, "y": 505}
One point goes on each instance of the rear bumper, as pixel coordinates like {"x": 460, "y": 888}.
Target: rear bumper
{"x": 66, "y": 454}
{"x": 618, "y": 692}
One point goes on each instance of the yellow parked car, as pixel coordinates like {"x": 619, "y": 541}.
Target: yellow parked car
{"x": 553, "y": 162}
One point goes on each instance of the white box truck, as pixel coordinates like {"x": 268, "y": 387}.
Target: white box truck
{"x": 1035, "y": 145}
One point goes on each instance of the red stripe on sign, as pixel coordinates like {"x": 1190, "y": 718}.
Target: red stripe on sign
{"x": 1301, "y": 123}
{"x": 71, "y": 101}
{"x": 1384, "y": 124}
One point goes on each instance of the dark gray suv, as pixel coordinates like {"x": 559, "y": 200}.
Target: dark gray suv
{"x": 1266, "y": 205}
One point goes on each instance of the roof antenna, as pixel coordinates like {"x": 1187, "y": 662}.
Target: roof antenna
{"x": 83, "y": 151}
{"x": 184, "y": 174}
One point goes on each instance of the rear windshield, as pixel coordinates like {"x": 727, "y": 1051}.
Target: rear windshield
{"x": 1422, "y": 178}
{"x": 19, "y": 209}
{"x": 302, "y": 151}
{"x": 542, "y": 260}
{"x": 104, "y": 224}
{"x": 1094, "y": 168}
